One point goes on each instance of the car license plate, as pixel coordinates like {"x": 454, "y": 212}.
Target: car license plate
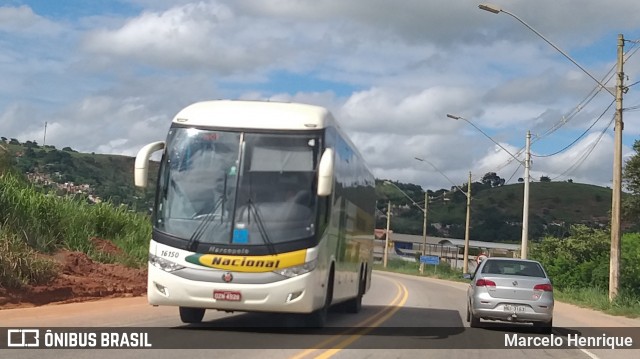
{"x": 227, "y": 295}
{"x": 515, "y": 308}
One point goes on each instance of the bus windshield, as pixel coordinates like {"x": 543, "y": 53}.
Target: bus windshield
{"x": 237, "y": 188}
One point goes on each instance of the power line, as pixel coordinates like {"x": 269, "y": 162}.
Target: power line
{"x": 581, "y": 105}
{"x": 513, "y": 174}
{"x": 587, "y": 153}
{"x": 581, "y": 135}
{"x": 589, "y": 150}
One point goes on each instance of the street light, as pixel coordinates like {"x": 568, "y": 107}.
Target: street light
{"x": 465, "y": 256}
{"x": 614, "y": 257}
{"x": 424, "y": 224}
{"x": 527, "y": 178}
{"x": 496, "y": 10}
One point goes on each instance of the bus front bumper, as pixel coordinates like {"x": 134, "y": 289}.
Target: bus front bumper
{"x": 300, "y": 294}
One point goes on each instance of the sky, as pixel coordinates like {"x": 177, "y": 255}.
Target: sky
{"x": 108, "y": 76}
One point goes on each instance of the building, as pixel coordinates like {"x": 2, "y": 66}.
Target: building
{"x": 450, "y": 250}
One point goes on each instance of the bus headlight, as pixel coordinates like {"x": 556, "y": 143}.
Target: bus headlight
{"x": 297, "y": 270}
{"x": 165, "y": 265}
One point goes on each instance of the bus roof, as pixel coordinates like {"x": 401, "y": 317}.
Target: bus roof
{"x": 255, "y": 115}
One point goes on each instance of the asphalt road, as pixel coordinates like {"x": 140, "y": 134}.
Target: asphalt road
{"x": 402, "y": 317}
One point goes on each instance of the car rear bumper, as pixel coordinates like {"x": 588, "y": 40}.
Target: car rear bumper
{"x": 501, "y": 314}
{"x": 486, "y": 307}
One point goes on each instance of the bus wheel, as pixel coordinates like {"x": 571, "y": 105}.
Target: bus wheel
{"x": 191, "y": 315}
{"x": 354, "y": 305}
{"x": 318, "y": 318}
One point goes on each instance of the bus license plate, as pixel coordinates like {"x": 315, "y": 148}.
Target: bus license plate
{"x": 515, "y": 308}
{"x": 227, "y": 295}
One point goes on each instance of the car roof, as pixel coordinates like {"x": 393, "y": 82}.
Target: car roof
{"x": 510, "y": 259}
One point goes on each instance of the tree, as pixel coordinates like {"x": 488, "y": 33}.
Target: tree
{"x": 631, "y": 180}
{"x": 545, "y": 179}
{"x": 4, "y": 139}
{"x": 14, "y": 141}
{"x": 492, "y": 179}
{"x": 31, "y": 144}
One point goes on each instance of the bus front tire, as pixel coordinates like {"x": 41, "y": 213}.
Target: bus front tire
{"x": 191, "y": 315}
{"x": 318, "y": 318}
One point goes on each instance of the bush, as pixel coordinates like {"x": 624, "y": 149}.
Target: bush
{"x": 577, "y": 261}
{"x": 21, "y": 265}
{"x": 582, "y": 259}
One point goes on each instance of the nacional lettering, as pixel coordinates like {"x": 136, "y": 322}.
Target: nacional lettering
{"x": 245, "y": 262}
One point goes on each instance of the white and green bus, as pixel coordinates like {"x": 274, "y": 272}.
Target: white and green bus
{"x": 260, "y": 207}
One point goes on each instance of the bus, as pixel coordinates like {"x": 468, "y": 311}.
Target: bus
{"x": 259, "y": 207}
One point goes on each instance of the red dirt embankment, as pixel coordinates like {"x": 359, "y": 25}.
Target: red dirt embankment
{"x": 80, "y": 279}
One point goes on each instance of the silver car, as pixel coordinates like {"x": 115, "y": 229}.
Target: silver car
{"x": 514, "y": 290}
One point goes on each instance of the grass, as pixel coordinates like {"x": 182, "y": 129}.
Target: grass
{"x": 21, "y": 265}
{"x": 442, "y": 271}
{"x": 598, "y": 298}
{"x": 625, "y": 304}
{"x": 33, "y": 220}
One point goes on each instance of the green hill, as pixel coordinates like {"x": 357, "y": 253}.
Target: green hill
{"x": 107, "y": 177}
{"x": 496, "y": 211}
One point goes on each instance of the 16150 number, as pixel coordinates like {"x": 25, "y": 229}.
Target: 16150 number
{"x": 169, "y": 254}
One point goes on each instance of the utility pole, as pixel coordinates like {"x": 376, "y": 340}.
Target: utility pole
{"x": 465, "y": 257}
{"x": 44, "y": 140}
{"x": 614, "y": 257}
{"x": 424, "y": 230}
{"x": 386, "y": 236}
{"x": 525, "y": 205}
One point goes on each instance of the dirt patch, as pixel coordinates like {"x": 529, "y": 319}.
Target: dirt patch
{"x": 80, "y": 279}
{"x": 105, "y": 246}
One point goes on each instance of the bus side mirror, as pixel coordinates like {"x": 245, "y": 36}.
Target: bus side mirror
{"x": 325, "y": 173}
{"x": 141, "y": 169}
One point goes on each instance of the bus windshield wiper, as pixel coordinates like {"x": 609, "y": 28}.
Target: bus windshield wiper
{"x": 192, "y": 245}
{"x": 252, "y": 208}
{"x": 194, "y": 240}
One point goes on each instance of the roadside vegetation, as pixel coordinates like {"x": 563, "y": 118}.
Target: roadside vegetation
{"x": 579, "y": 268}
{"x": 441, "y": 271}
{"x": 34, "y": 223}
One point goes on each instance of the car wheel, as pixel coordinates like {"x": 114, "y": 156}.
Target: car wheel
{"x": 544, "y": 327}
{"x": 475, "y": 321}
{"x": 468, "y": 314}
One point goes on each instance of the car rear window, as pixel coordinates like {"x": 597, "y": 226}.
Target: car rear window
{"x": 507, "y": 267}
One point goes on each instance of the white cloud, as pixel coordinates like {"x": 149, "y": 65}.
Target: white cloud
{"x": 23, "y": 21}
{"x": 391, "y": 72}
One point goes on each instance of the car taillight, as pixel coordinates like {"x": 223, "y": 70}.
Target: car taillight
{"x": 485, "y": 283}
{"x": 544, "y": 287}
